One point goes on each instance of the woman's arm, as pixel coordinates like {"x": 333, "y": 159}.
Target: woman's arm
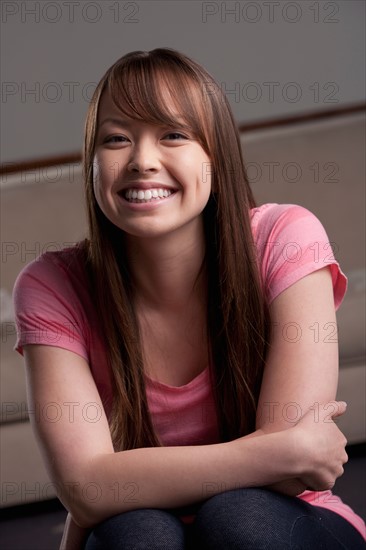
{"x": 301, "y": 372}
{"x": 94, "y": 483}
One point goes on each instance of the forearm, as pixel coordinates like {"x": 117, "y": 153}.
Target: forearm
{"x": 171, "y": 477}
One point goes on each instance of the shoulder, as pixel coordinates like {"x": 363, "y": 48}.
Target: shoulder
{"x": 53, "y": 276}
{"x": 291, "y": 242}
{"x": 271, "y": 218}
{"x": 287, "y": 229}
{"x": 50, "y": 295}
{"x": 51, "y": 267}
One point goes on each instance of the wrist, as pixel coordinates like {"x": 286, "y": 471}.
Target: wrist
{"x": 288, "y": 452}
{"x": 297, "y": 451}
{"x": 271, "y": 457}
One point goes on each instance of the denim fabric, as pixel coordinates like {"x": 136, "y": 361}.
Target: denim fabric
{"x": 253, "y": 519}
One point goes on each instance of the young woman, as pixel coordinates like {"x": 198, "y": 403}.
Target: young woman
{"x": 188, "y": 413}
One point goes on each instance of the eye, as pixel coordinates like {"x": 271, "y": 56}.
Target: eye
{"x": 115, "y": 139}
{"x": 174, "y": 136}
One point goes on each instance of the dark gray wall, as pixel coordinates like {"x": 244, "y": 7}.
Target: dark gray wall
{"x": 272, "y": 58}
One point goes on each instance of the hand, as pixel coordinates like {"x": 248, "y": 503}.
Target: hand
{"x": 321, "y": 445}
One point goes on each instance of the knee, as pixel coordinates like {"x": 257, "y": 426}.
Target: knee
{"x": 241, "y": 518}
{"x": 226, "y": 503}
{"x": 138, "y": 530}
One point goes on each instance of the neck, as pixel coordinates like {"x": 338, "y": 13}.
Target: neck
{"x": 166, "y": 269}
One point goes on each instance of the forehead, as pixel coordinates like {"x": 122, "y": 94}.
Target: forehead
{"x": 162, "y": 98}
{"x": 107, "y": 107}
{"x": 110, "y": 110}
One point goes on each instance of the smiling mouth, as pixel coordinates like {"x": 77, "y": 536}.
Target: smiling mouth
{"x": 138, "y": 195}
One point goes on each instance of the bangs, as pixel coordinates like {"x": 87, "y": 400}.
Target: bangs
{"x": 163, "y": 92}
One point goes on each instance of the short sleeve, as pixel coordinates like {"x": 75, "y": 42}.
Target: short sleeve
{"x": 291, "y": 243}
{"x": 46, "y": 308}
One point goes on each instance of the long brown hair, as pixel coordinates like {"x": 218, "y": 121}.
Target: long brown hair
{"x": 237, "y": 315}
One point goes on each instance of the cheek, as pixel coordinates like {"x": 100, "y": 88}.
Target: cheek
{"x": 102, "y": 178}
{"x": 206, "y": 174}
{"x": 196, "y": 167}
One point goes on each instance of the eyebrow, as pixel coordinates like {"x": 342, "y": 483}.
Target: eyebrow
{"x": 117, "y": 121}
{"x": 180, "y": 123}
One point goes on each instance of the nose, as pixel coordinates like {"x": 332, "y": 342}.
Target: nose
{"x": 144, "y": 158}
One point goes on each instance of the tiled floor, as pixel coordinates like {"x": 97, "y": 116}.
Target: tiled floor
{"x": 39, "y": 527}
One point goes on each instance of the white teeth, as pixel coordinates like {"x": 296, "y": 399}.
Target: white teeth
{"x": 148, "y": 195}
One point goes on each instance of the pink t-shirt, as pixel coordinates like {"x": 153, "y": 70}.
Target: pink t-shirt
{"x": 54, "y": 307}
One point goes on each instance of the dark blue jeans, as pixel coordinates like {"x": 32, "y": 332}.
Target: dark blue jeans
{"x": 255, "y": 519}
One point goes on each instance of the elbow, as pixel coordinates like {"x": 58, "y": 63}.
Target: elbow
{"x": 83, "y": 518}
{"x": 91, "y": 498}
{"x": 84, "y": 506}
{"x": 87, "y": 513}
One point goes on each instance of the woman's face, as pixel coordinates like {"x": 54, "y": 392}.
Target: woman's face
{"x": 149, "y": 180}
